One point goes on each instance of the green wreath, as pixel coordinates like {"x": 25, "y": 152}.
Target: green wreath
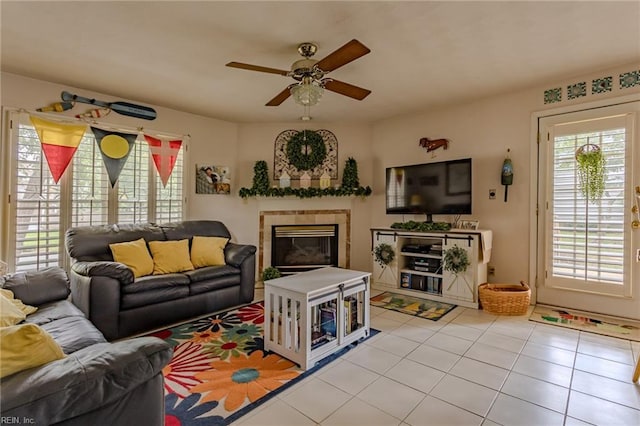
{"x": 384, "y": 254}
{"x": 456, "y": 260}
{"x": 306, "y": 150}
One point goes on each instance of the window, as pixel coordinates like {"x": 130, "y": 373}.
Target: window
{"x": 588, "y": 238}
{"x": 41, "y": 210}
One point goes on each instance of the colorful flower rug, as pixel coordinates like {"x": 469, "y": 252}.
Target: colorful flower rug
{"x": 586, "y": 321}
{"x": 423, "y": 308}
{"x": 219, "y": 370}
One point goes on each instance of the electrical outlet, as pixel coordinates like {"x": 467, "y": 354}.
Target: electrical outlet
{"x": 492, "y": 194}
{"x": 491, "y": 270}
{"x": 638, "y": 255}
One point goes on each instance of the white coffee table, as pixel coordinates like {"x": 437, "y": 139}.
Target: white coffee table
{"x": 313, "y": 314}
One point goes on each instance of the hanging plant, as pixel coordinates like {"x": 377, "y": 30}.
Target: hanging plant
{"x": 384, "y": 254}
{"x": 306, "y": 150}
{"x": 591, "y": 172}
{"x": 456, "y": 260}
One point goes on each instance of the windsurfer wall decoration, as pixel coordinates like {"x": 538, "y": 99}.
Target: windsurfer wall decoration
{"x": 123, "y": 108}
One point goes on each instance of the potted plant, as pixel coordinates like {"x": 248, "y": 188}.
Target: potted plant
{"x": 590, "y": 166}
{"x": 350, "y": 174}
{"x": 270, "y": 273}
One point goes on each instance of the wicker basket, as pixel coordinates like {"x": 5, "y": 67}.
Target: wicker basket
{"x": 505, "y": 299}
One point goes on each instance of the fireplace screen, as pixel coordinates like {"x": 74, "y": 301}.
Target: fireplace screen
{"x": 298, "y": 248}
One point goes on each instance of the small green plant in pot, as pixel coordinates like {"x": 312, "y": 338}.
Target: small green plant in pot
{"x": 590, "y": 165}
{"x": 270, "y": 273}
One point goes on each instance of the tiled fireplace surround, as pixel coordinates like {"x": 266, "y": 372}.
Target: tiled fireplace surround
{"x": 305, "y": 217}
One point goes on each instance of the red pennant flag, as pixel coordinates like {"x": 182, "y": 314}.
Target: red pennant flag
{"x": 164, "y": 153}
{"x": 59, "y": 143}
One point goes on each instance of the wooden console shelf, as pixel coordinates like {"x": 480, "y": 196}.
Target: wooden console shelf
{"x": 417, "y": 268}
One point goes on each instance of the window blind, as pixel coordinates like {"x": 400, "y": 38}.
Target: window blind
{"x": 43, "y": 210}
{"x": 588, "y": 237}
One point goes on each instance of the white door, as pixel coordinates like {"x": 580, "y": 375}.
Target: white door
{"x": 461, "y": 285}
{"x": 385, "y": 274}
{"x": 588, "y": 251}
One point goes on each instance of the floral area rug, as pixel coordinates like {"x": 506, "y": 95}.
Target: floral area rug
{"x": 423, "y": 308}
{"x": 219, "y": 370}
{"x": 586, "y": 321}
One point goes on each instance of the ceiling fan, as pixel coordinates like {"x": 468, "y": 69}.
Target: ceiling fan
{"x": 310, "y": 74}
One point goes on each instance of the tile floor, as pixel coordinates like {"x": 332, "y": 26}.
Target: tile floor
{"x": 468, "y": 368}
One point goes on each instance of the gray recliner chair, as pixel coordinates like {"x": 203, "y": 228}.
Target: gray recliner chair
{"x": 97, "y": 383}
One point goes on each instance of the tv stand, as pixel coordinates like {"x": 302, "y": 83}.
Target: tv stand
{"x": 418, "y": 264}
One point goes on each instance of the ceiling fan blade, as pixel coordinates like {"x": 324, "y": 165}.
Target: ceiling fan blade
{"x": 347, "y": 53}
{"x": 279, "y": 98}
{"x": 257, "y": 68}
{"x": 346, "y": 89}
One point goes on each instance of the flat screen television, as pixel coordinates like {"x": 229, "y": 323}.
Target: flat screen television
{"x": 431, "y": 188}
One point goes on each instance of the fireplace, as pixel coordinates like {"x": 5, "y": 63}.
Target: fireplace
{"x": 298, "y": 248}
{"x": 271, "y": 218}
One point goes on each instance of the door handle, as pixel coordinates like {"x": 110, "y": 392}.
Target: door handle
{"x": 635, "y": 223}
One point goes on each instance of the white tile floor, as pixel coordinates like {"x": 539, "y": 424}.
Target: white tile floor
{"x": 469, "y": 368}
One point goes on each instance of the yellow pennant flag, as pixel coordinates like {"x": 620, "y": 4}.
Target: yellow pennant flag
{"x": 59, "y": 143}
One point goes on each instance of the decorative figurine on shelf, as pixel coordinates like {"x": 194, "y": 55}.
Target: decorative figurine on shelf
{"x": 325, "y": 180}
{"x": 305, "y": 180}
{"x": 285, "y": 180}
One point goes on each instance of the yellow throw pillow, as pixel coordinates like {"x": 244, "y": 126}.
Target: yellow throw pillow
{"x": 9, "y": 313}
{"x": 208, "y": 251}
{"x": 170, "y": 256}
{"x": 27, "y": 309}
{"x": 135, "y": 255}
{"x": 26, "y": 346}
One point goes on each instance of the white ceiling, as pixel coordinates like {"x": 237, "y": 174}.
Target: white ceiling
{"x": 173, "y": 54}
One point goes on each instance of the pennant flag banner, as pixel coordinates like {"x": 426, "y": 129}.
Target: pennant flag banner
{"x": 115, "y": 148}
{"x": 165, "y": 153}
{"x": 59, "y": 143}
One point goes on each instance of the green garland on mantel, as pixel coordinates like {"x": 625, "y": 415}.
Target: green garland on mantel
{"x": 306, "y": 192}
{"x": 261, "y": 187}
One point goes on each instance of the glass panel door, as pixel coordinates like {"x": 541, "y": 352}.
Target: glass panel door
{"x": 586, "y": 238}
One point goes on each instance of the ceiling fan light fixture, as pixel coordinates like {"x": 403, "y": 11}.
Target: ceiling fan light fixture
{"x": 307, "y": 93}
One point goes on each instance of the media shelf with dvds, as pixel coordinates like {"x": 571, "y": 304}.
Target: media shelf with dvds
{"x": 418, "y": 267}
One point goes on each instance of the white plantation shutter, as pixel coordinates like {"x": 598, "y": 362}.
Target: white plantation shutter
{"x": 169, "y": 200}
{"x": 36, "y": 217}
{"x": 586, "y": 240}
{"x": 41, "y": 211}
{"x": 90, "y": 185}
{"x": 133, "y": 186}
